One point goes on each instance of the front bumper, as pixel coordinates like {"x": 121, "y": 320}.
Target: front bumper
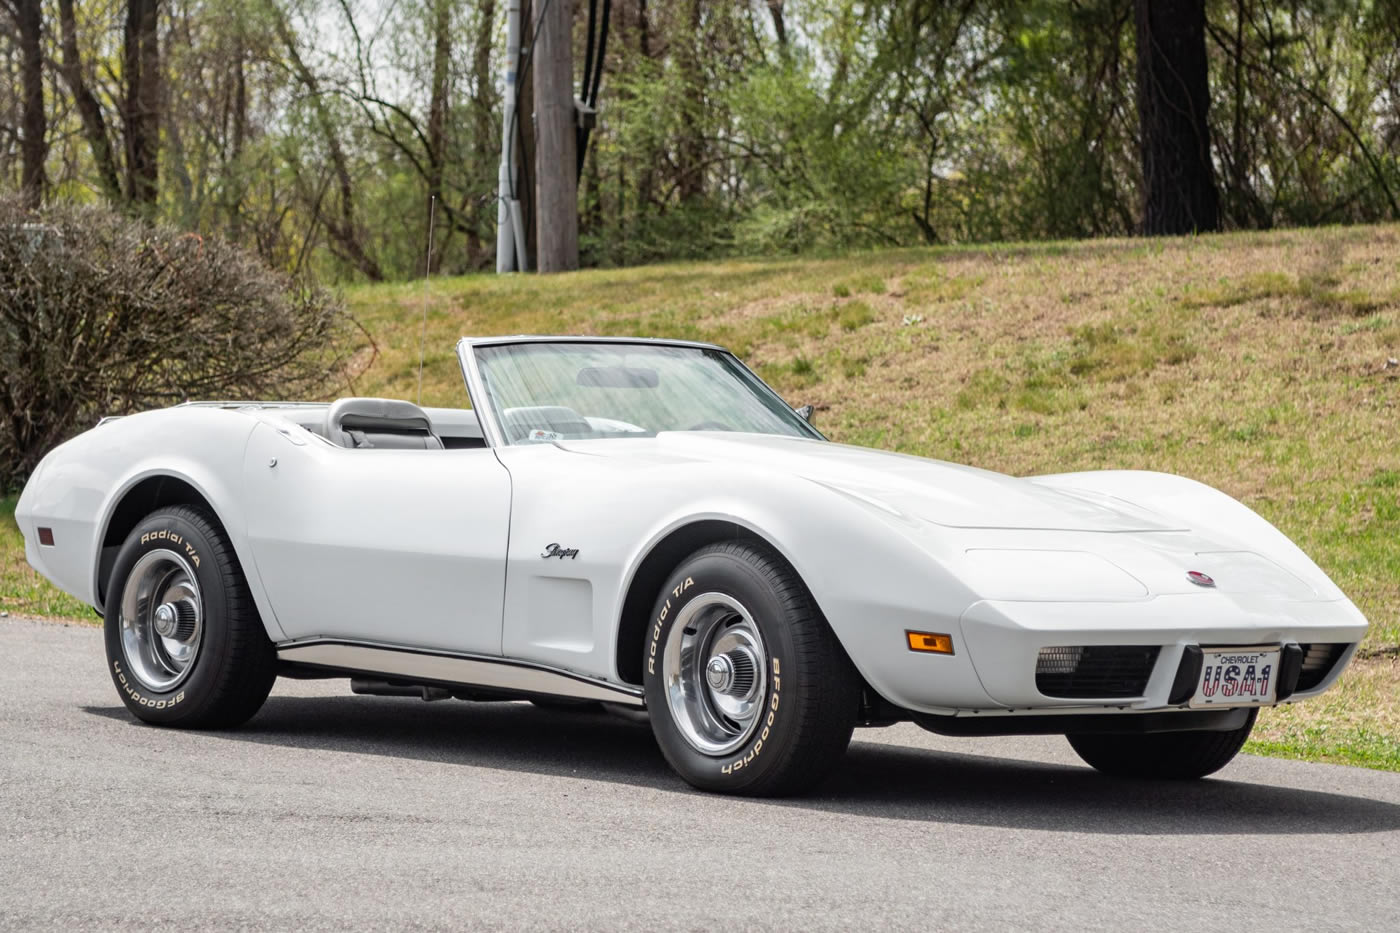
{"x": 1004, "y": 639}
{"x": 999, "y": 643}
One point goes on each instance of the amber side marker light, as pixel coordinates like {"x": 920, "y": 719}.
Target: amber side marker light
{"x": 46, "y": 536}
{"x": 931, "y": 642}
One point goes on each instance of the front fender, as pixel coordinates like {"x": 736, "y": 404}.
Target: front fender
{"x": 874, "y": 574}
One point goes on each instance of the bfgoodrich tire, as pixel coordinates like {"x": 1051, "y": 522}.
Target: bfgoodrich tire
{"x": 185, "y": 646}
{"x": 1170, "y": 755}
{"x": 748, "y": 689}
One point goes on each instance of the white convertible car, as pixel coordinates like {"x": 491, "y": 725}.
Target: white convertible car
{"x": 645, "y": 524}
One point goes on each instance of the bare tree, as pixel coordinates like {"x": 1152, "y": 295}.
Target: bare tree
{"x": 1173, "y": 99}
{"x": 34, "y": 145}
{"x": 775, "y": 9}
{"x": 690, "y": 148}
{"x": 94, "y": 120}
{"x": 141, "y": 113}
{"x": 343, "y": 227}
{"x": 484, "y": 138}
{"x": 438, "y": 104}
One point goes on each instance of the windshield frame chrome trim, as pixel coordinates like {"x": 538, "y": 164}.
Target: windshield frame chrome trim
{"x": 479, "y": 395}
{"x": 584, "y": 338}
{"x": 476, "y": 392}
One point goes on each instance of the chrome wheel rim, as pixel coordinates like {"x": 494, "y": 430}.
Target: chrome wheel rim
{"x": 162, "y": 620}
{"x": 714, "y": 670}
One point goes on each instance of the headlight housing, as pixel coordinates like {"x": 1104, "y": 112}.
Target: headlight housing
{"x": 1048, "y": 576}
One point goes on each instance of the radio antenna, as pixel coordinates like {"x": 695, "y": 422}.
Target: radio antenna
{"x": 427, "y": 274}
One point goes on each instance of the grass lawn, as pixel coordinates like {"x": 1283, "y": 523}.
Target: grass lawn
{"x": 1262, "y": 364}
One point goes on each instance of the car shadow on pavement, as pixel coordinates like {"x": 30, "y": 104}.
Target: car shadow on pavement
{"x": 881, "y": 780}
{"x": 912, "y": 783}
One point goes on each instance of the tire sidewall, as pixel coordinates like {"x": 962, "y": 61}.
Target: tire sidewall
{"x": 772, "y": 741}
{"x": 169, "y": 530}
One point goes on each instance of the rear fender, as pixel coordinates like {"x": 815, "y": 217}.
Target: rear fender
{"x": 82, "y": 483}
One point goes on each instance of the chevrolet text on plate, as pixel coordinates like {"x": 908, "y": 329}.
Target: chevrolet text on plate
{"x": 646, "y": 525}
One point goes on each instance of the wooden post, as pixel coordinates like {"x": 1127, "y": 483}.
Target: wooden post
{"x": 556, "y": 182}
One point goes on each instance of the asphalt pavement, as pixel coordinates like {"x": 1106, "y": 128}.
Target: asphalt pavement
{"x": 334, "y": 811}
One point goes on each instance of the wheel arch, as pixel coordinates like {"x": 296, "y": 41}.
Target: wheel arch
{"x": 139, "y": 499}
{"x": 651, "y": 572}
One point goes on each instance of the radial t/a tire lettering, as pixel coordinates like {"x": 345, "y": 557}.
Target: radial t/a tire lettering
{"x": 185, "y": 645}
{"x": 748, "y": 689}
{"x": 1166, "y": 755}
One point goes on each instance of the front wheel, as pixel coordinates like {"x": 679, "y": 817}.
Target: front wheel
{"x": 1169, "y": 755}
{"x": 185, "y": 646}
{"x": 748, "y": 689}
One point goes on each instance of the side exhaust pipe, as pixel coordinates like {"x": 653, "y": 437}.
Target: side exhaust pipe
{"x": 386, "y": 688}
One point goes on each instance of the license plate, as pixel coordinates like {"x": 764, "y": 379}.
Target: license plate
{"x": 1237, "y": 676}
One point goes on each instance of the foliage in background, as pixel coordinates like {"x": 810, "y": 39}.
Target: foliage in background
{"x": 103, "y": 314}
{"x": 315, "y": 131}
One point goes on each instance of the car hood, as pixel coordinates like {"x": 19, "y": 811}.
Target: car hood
{"x": 944, "y": 493}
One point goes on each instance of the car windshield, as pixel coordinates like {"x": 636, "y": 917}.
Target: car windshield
{"x": 542, "y": 392}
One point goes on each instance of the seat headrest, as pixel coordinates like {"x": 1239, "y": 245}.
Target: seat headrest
{"x": 374, "y": 414}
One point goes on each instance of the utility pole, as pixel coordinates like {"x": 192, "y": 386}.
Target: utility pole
{"x": 556, "y": 169}
{"x": 510, "y": 231}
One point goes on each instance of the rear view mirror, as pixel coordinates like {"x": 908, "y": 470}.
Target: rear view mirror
{"x": 805, "y": 413}
{"x": 618, "y": 377}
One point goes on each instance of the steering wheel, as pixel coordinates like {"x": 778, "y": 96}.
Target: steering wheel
{"x": 709, "y": 426}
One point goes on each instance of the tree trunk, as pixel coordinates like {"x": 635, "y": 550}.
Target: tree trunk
{"x": 234, "y": 205}
{"x": 690, "y": 148}
{"x": 556, "y": 166}
{"x": 1237, "y": 163}
{"x": 483, "y": 106}
{"x": 89, "y": 110}
{"x": 1173, "y": 96}
{"x": 646, "y": 177}
{"x": 483, "y": 100}
{"x": 141, "y": 69}
{"x": 35, "y": 146}
{"x": 775, "y": 9}
{"x": 437, "y": 114}
{"x": 524, "y": 190}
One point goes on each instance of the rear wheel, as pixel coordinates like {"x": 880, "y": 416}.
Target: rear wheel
{"x": 185, "y": 646}
{"x": 1170, "y": 755}
{"x": 748, "y": 690}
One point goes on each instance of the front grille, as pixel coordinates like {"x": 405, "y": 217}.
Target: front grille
{"x": 1318, "y": 660}
{"x": 1088, "y": 672}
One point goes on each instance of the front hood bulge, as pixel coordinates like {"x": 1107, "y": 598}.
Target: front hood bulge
{"x": 932, "y": 490}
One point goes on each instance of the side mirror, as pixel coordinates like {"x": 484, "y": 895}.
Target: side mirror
{"x": 805, "y": 413}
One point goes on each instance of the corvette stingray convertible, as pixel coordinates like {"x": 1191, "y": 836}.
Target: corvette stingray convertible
{"x": 646, "y": 525}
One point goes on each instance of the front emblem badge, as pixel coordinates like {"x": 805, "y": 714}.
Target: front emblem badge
{"x": 1198, "y": 578}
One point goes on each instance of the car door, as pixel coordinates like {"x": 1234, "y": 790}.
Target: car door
{"x": 399, "y": 547}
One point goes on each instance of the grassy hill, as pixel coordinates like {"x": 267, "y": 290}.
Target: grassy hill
{"x": 1262, "y": 364}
